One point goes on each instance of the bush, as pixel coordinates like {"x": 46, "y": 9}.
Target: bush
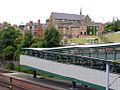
{"x": 17, "y": 68}
{"x": 9, "y": 66}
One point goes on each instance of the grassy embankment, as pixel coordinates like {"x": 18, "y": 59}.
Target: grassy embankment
{"x": 113, "y": 37}
{"x": 83, "y": 40}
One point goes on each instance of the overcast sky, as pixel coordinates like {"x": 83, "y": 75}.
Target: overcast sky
{"x": 17, "y": 11}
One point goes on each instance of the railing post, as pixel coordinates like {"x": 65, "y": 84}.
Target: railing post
{"x": 97, "y": 51}
{"x": 115, "y": 53}
{"x": 89, "y": 53}
{"x": 105, "y": 54}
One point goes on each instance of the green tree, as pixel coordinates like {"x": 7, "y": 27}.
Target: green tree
{"x": 113, "y": 26}
{"x": 7, "y": 36}
{"x": 27, "y": 39}
{"x": 8, "y": 53}
{"x": 10, "y": 40}
{"x": 36, "y": 42}
{"x": 51, "y": 38}
{"x": 19, "y": 41}
{"x": 108, "y": 27}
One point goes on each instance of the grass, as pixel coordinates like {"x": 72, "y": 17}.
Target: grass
{"x": 117, "y": 61}
{"x": 113, "y": 37}
{"x": 83, "y": 40}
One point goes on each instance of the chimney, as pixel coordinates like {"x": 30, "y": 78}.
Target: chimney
{"x": 31, "y": 22}
{"x": 38, "y": 22}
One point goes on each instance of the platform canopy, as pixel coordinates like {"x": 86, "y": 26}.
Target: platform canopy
{"x": 108, "y": 45}
{"x": 57, "y": 50}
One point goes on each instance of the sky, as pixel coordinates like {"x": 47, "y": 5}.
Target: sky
{"x": 22, "y": 11}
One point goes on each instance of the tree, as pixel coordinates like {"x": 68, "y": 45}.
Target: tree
{"x": 36, "y": 42}
{"x": 113, "y": 26}
{"x": 51, "y": 38}
{"x": 19, "y": 41}
{"x": 8, "y": 53}
{"x": 7, "y": 36}
{"x": 27, "y": 39}
{"x": 11, "y": 41}
{"x": 108, "y": 27}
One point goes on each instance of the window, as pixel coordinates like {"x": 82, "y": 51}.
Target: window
{"x": 80, "y": 33}
{"x": 63, "y": 20}
{"x": 97, "y": 28}
{"x": 67, "y": 28}
{"x": 90, "y": 27}
{"x": 30, "y": 27}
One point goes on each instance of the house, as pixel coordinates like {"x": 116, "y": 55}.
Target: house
{"x": 35, "y": 27}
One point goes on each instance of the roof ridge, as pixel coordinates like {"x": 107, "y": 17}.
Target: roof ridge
{"x": 67, "y": 13}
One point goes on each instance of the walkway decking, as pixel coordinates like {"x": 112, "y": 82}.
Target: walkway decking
{"x": 73, "y": 71}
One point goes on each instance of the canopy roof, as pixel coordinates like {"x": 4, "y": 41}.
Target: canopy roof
{"x": 108, "y": 45}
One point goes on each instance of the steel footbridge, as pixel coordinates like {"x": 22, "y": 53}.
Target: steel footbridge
{"x": 94, "y": 66}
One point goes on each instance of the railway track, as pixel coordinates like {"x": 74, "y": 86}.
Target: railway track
{"x": 7, "y": 86}
{"x": 8, "y": 83}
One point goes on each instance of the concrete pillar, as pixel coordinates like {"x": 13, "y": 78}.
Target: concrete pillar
{"x": 74, "y": 84}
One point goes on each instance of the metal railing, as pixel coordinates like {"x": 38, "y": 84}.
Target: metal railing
{"x": 86, "y": 61}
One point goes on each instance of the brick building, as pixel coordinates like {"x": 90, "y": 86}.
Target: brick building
{"x": 35, "y": 27}
{"x": 74, "y": 25}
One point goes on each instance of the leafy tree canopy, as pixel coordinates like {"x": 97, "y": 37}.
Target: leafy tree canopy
{"x": 10, "y": 40}
{"x": 8, "y": 53}
{"x": 7, "y": 36}
{"x": 113, "y": 26}
{"x": 51, "y": 38}
{"x": 36, "y": 42}
{"x": 27, "y": 39}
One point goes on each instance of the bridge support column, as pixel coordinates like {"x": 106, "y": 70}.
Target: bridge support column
{"x": 34, "y": 74}
{"x": 107, "y": 76}
{"x": 74, "y": 84}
